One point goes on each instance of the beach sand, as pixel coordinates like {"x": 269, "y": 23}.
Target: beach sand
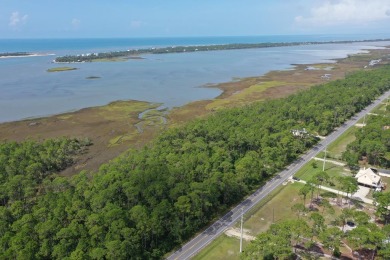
{"x": 29, "y": 55}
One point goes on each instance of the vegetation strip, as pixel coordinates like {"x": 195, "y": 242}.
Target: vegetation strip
{"x": 59, "y": 69}
{"x": 15, "y": 54}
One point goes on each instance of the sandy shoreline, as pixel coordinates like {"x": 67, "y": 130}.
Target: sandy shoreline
{"x": 26, "y": 56}
{"x": 114, "y": 128}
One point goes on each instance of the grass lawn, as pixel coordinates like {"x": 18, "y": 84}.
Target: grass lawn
{"x": 334, "y": 171}
{"x": 223, "y": 247}
{"x": 276, "y": 207}
{"x": 336, "y": 148}
{"x": 386, "y": 180}
{"x": 382, "y": 109}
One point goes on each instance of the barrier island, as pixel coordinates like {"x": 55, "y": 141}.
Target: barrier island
{"x": 134, "y": 53}
{"x": 15, "y": 54}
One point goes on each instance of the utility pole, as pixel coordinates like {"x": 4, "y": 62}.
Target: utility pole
{"x": 364, "y": 122}
{"x": 323, "y": 165}
{"x": 273, "y": 215}
{"x": 242, "y": 221}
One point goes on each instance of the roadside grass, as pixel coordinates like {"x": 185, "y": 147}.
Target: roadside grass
{"x": 382, "y": 109}
{"x": 336, "y": 148}
{"x": 223, "y": 247}
{"x": 275, "y": 207}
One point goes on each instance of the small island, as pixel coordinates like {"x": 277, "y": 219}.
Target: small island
{"x": 59, "y": 69}
{"x": 93, "y": 77}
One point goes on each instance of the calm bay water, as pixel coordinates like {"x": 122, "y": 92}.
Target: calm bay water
{"x": 28, "y": 90}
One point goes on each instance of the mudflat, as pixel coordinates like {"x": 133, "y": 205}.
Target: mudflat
{"x": 118, "y": 126}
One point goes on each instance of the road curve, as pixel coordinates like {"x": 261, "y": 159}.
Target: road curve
{"x": 192, "y": 247}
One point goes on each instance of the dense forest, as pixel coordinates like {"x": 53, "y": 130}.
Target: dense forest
{"x": 372, "y": 143}
{"x": 180, "y": 49}
{"x": 25, "y": 166}
{"x": 144, "y": 203}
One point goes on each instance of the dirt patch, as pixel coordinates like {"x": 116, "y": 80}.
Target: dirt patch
{"x": 234, "y": 232}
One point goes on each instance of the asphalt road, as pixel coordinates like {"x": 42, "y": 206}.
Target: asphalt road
{"x": 192, "y": 247}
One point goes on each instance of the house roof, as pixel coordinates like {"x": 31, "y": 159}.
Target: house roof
{"x": 368, "y": 177}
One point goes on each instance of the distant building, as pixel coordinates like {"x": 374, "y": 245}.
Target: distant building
{"x": 369, "y": 178}
{"x": 374, "y": 62}
{"x": 299, "y": 133}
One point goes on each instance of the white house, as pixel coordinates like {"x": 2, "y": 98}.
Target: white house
{"x": 369, "y": 178}
{"x": 299, "y": 133}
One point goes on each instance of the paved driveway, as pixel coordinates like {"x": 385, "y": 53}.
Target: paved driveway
{"x": 362, "y": 192}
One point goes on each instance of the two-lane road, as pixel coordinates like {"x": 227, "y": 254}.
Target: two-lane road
{"x": 192, "y": 247}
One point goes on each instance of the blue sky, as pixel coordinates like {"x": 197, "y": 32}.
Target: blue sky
{"x": 175, "y": 18}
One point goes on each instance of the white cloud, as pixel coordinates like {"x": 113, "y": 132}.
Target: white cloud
{"x": 75, "y": 23}
{"x": 339, "y": 12}
{"x": 16, "y": 19}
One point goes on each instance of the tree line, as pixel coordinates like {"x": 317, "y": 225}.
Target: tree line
{"x": 372, "y": 143}
{"x": 7, "y": 54}
{"x": 147, "y": 202}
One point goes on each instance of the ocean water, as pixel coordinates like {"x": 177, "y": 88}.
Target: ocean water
{"x": 28, "y": 90}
